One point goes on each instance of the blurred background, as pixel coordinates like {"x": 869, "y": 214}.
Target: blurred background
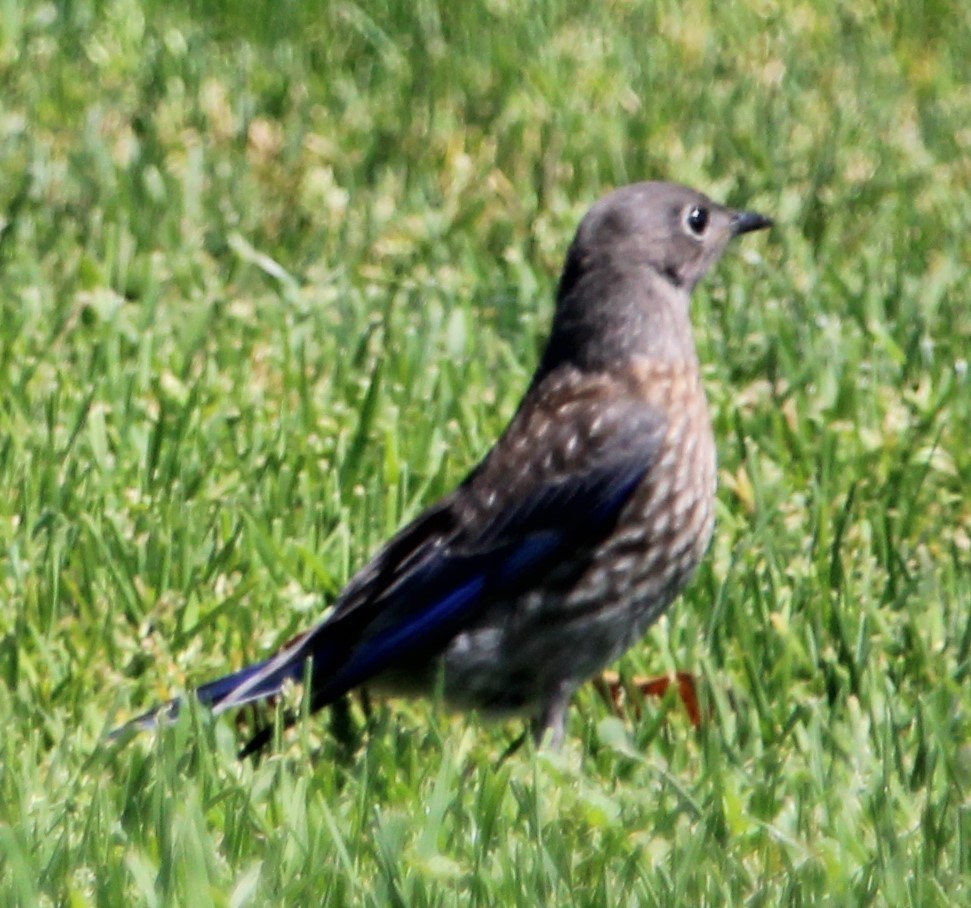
{"x": 274, "y": 275}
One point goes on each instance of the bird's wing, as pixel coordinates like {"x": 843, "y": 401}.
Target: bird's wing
{"x": 530, "y": 505}
{"x": 549, "y": 491}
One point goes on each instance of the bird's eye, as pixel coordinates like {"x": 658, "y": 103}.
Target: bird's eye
{"x": 697, "y": 220}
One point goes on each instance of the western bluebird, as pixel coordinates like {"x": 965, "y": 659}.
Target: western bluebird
{"x": 577, "y": 529}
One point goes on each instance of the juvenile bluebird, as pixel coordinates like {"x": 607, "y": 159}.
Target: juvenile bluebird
{"x": 578, "y": 528}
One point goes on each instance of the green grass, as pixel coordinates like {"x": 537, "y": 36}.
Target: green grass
{"x": 273, "y": 276}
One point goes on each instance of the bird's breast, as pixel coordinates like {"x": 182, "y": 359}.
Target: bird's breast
{"x": 664, "y": 531}
{"x": 672, "y": 512}
{"x": 633, "y": 574}
{"x": 595, "y": 604}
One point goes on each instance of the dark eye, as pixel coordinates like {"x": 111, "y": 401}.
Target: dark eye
{"x": 697, "y": 220}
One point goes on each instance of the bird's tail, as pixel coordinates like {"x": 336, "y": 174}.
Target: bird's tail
{"x": 255, "y": 682}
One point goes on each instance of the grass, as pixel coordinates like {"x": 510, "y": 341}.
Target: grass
{"x": 274, "y": 275}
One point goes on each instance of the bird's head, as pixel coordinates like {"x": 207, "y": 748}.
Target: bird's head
{"x": 628, "y": 277}
{"x": 672, "y": 229}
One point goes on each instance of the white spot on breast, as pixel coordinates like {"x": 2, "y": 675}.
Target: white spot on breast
{"x": 571, "y": 445}
{"x": 660, "y": 491}
{"x": 660, "y": 524}
{"x": 669, "y": 458}
{"x": 689, "y": 447}
{"x": 622, "y": 565}
{"x": 682, "y": 502}
{"x": 629, "y": 535}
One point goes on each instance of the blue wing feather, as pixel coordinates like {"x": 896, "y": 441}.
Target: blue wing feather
{"x": 435, "y": 601}
{"x": 434, "y": 577}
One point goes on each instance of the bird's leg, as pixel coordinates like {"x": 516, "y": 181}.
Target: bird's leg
{"x": 511, "y": 749}
{"x": 343, "y": 728}
{"x": 611, "y": 687}
{"x": 549, "y": 727}
{"x": 364, "y": 699}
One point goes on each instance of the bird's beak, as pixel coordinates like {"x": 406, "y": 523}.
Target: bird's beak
{"x": 747, "y": 221}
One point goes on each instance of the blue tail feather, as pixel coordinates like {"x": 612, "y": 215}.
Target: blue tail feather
{"x": 211, "y": 694}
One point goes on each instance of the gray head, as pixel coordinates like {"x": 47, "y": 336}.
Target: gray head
{"x": 627, "y": 280}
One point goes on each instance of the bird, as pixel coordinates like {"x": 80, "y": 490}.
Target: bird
{"x": 578, "y": 528}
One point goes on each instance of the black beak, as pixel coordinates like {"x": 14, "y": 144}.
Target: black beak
{"x": 747, "y": 221}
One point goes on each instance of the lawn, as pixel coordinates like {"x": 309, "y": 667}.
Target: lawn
{"x": 274, "y": 275}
